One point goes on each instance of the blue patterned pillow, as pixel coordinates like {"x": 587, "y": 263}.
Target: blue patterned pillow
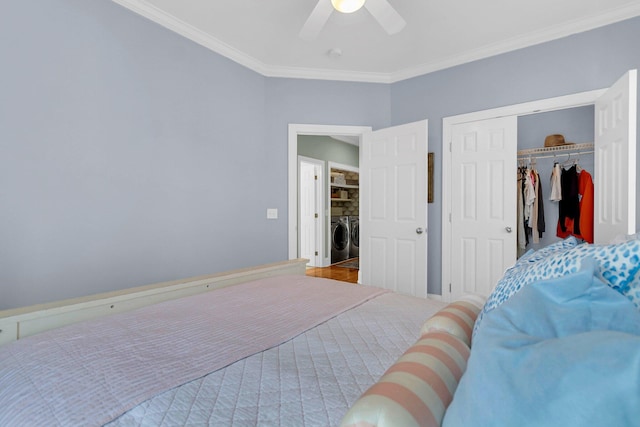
{"x": 633, "y": 293}
{"x": 618, "y": 266}
{"x": 632, "y": 288}
{"x": 562, "y": 246}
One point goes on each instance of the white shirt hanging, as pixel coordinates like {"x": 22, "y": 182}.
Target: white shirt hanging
{"x": 529, "y": 196}
{"x": 556, "y": 186}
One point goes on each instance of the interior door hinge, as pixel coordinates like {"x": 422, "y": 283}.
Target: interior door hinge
{"x": 450, "y": 146}
{"x": 449, "y": 287}
{"x": 316, "y": 253}
{"x": 315, "y": 215}
{"x": 449, "y": 216}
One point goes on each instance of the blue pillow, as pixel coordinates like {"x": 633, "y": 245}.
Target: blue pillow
{"x": 562, "y": 352}
{"x": 617, "y": 265}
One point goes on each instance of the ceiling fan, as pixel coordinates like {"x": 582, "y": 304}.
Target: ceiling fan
{"x": 381, "y": 10}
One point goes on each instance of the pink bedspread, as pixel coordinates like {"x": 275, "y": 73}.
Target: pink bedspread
{"x": 92, "y": 372}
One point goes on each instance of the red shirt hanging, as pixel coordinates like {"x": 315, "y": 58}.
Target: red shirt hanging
{"x": 581, "y": 226}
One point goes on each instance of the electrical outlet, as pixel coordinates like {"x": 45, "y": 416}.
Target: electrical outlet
{"x": 272, "y": 213}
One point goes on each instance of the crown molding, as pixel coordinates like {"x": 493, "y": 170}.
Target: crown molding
{"x": 143, "y": 8}
{"x": 527, "y": 40}
{"x": 325, "y": 74}
{"x": 170, "y": 22}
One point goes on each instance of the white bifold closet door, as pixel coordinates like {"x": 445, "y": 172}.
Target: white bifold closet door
{"x": 483, "y": 201}
{"x": 615, "y": 160}
{"x": 483, "y": 206}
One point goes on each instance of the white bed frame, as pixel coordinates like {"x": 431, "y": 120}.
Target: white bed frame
{"x": 22, "y": 322}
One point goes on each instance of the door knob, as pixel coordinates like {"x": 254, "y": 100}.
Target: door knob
{"x": 508, "y": 229}
{"x": 419, "y": 230}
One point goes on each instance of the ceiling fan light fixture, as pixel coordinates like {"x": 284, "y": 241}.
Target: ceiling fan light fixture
{"x": 347, "y": 6}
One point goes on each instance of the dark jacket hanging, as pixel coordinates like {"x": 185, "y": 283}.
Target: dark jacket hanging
{"x": 568, "y": 206}
{"x": 541, "y": 223}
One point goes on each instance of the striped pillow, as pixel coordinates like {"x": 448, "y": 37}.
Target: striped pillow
{"x": 457, "y": 319}
{"x": 416, "y": 390}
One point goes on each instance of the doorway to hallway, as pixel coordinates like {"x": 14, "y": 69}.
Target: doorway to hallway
{"x": 338, "y": 133}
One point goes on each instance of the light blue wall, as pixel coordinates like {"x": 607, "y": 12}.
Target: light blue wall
{"x": 328, "y": 149}
{"x": 124, "y": 151}
{"x": 582, "y": 62}
{"x": 130, "y": 155}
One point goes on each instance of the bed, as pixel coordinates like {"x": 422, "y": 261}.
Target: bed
{"x": 556, "y": 343}
{"x": 260, "y": 346}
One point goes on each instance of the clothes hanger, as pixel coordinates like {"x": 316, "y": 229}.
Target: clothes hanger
{"x": 577, "y": 163}
{"x": 569, "y": 162}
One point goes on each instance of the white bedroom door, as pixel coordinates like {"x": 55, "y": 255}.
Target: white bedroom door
{"x": 615, "y": 160}
{"x": 393, "y": 208}
{"x": 483, "y": 203}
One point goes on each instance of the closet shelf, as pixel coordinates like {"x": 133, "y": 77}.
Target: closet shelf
{"x": 585, "y": 148}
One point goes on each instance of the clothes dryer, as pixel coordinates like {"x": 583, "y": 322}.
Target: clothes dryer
{"x": 339, "y": 238}
{"x": 354, "y": 237}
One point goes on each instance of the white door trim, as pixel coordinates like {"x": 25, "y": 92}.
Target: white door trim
{"x": 307, "y": 129}
{"x": 523, "y": 109}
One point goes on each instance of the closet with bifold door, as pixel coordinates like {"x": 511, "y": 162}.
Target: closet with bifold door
{"x": 555, "y": 177}
{"x": 480, "y": 178}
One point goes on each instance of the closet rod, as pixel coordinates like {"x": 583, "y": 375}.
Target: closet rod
{"x": 533, "y": 156}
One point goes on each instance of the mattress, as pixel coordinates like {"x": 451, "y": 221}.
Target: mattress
{"x": 310, "y": 380}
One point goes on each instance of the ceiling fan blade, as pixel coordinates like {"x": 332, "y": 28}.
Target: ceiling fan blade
{"x": 386, "y": 15}
{"x": 316, "y": 20}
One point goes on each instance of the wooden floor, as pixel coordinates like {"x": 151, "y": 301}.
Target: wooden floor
{"x": 334, "y": 272}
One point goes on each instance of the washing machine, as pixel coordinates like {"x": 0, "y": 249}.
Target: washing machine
{"x": 339, "y": 238}
{"x": 354, "y": 237}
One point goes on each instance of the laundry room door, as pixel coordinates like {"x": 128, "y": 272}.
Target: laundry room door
{"x": 393, "y": 208}
{"x": 483, "y": 203}
{"x": 311, "y": 242}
